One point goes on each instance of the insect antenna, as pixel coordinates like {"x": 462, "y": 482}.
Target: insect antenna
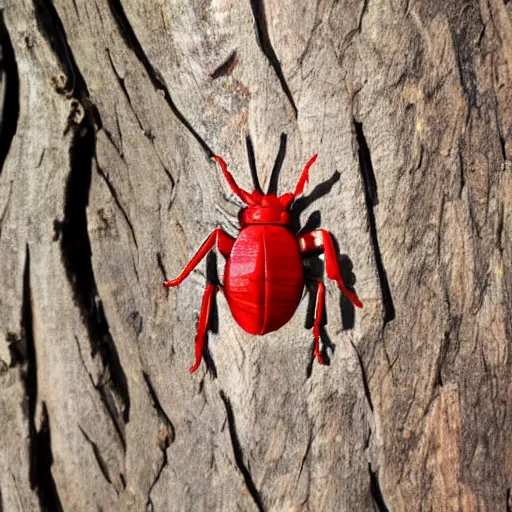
{"x": 274, "y": 177}
{"x": 252, "y": 165}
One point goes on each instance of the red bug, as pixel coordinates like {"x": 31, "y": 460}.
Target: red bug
{"x": 264, "y": 275}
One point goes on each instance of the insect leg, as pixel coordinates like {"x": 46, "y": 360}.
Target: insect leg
{"x": 320, "y": 239}
{"x": 224, "y": 243}
{"x": 242, "y": 194}
{"x": 202, "y": 324}
{"x": 319, "y": 311}
{"x": 304, "y": 177}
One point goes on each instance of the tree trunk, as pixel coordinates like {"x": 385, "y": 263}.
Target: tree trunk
{"x": 111, "y": 111}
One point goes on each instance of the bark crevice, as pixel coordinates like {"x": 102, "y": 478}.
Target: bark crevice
{"x": 165, "y": 461}
{"x": 114, "y": 195}
{"x": 376, "y": 491}
{"x": 147, "y": 132}
{"x": 102, "y": 465}
{"x": 263, "y": 39}
{"x": 41, "y": 461}
{"x": 131, "y": 40}
{"x": 122, "y": 85}
{"x": 165, "y": 439}
{"x": 226, "y": 67}
{"x": 364, "y": 378}
{"x": 74, "y": 242}
{"x": 238, "y": 454}
{"x": 40, "y": 448}
{"x": 372, "y": 199}
{"x": 364, "y": 10}
{"x": 77, "y": 257}
{"x": 169, "y": 437}
{"x": 52, "y": 29}
{"x": 11, "y": 103}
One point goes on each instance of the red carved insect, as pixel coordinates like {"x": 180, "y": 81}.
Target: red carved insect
{"x": 264, "y": 275}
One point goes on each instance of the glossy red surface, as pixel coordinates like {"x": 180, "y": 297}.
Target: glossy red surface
{"x": 264, "y": 279}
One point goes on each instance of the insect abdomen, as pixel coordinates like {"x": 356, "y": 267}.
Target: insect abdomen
{"x": 263, "y": 280}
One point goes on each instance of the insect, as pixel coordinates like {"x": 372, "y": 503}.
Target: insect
{"x": 264, "y": 275}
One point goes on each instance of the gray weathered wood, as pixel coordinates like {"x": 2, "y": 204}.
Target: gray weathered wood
{"x": 111, "y": 110}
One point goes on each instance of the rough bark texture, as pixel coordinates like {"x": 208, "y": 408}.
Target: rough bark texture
{"x": 110, "y": 111}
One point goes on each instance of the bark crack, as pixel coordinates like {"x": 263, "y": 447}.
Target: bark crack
{"x": 147, "y": 132}
{"x": 166, "y": 436}
{"x": 238, "y": 454}
{"x": 75, "y": 243}
{"x": 169, "y": 437}
{"x": 305, "y": 457}
{"x": 161, "y": 266}
{"x": 467, "y": 75}
{"x": 130, "y": 38}
{"x": 97, "y": 455}
{"x": 41, "y": 478}
{"x": 165, "y": 461}
{"x": 364, "y": 10}
{"x": 40, "y": 449}
{"x": 376, "y": 491}
{"x": 7, "y": 204}
{"x": 364, "y": 378}
{"x": 226, "y": 67}
{"x": 462, "y": 167}
{"x": 77, "y": 258}
{"x": 106, "y": 398}
{"x": 263, "y": 38}
{"x": 122, "y": 85}
{"x": 371, "y": 198}
{"x": 11, "y": 107}
{"x": 52, "y": 29}
{"x": 113, "y": 192}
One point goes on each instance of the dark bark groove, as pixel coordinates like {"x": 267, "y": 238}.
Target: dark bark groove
{"x": 376, "y": 492}
{"x": 161, "y": 413}
{"x": 113, "y": 192}
{"x": 11, "y": 106}
{"x": 52, "y": 29}
{"x": 41, "y": 459}
{"x": 76, "y": 252}
{"x": 131, "y": 40}
{"x": 102, "y": 465}
{"x": 364, "y": 378}
{"x": 260, "y": 20}
{"x": 75, "y": 244}
{"x": 239, "y": 456}
{"x": 371, "y": 198}
{"x": 226, "y": 67}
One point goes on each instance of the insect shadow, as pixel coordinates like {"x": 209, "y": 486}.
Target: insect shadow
{"x": 313, "y": 266}
{"x": 314, "y": 271}
{"x": 212, "y": 277}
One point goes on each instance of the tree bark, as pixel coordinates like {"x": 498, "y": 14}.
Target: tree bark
{"x": 110, "y": 112}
